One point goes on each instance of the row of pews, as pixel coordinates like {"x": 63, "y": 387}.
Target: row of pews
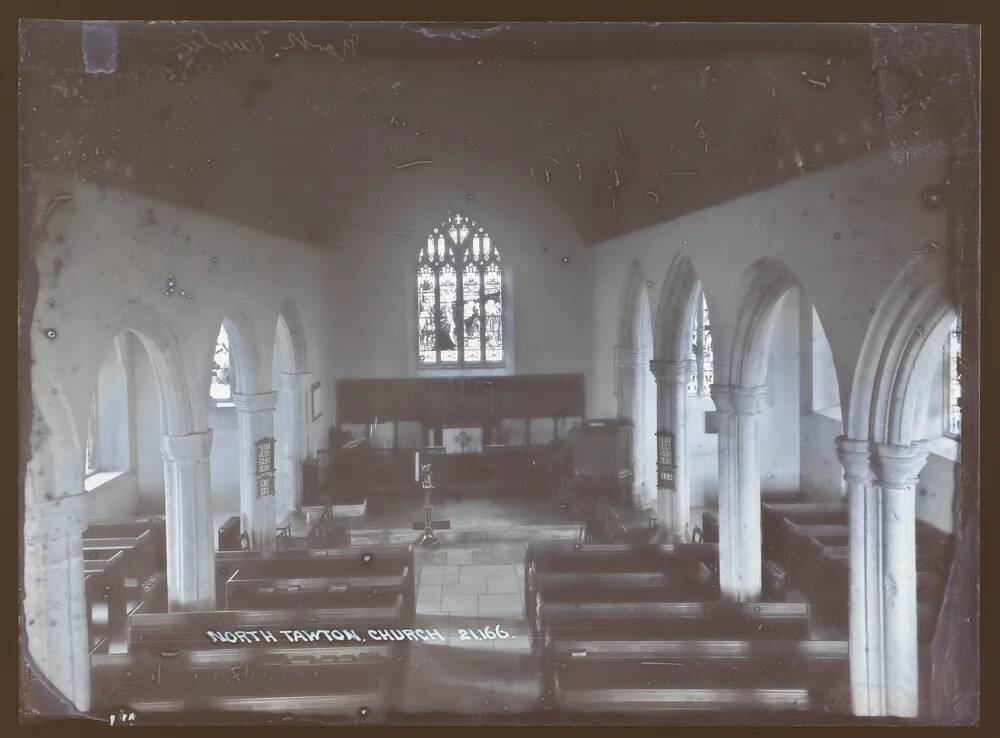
{"x": 806, "y": 549}
{"x": 124, "y": 563}
{"x": 641, "y": 630}
{"x": 324, "y": 664}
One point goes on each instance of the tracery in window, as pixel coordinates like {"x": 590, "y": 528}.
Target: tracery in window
{"x": 953, "y": 385}
{"x": 219, "y": 389}
{"x": 700, "y": 381}
{"x": 459, "y": 297}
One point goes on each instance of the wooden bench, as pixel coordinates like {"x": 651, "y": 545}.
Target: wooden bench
{"x": 173, "y": 664}
{"x": 567, "y": 564}
{"x": 669, "y": 621}
{"x": 623, "y": 673}
{"x": 104, "y": 588}
{"x": 251, "y": 589}
{"x": 369, "y": 570}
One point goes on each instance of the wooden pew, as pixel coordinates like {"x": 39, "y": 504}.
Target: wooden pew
{"x": 174, "y": 665}
{"x": 669, "y": 620}
{"x": 566, "y": 564}
{"x": 592, "y": 675}
{"x": 318, "y": 585}
{"x": 686, "y": 583}
{"x": 375, "y": 569}
{"x": 146, "y": 536}
{"x": 105, "y": 595}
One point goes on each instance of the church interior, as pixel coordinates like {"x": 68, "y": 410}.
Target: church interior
{"x": 589, "y": 372}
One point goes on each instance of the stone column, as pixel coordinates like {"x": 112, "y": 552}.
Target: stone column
{"x": 671, "y": 415}
{"x": 255, "y": 420}
{"x": 55, "y": 606}
{"x": 865, "y": 591}
{"x": 740, "y": 539}
{"x": 628, "y": 360}
{"x": 190, "y": 528}
{"x": 896, "y": 469}
{"x": 292, "y": 436}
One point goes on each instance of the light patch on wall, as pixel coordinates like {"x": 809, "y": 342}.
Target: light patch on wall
{"x": 99, "y": 46}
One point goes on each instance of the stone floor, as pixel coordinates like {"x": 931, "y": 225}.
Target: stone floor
{"x": 468, "y": 588}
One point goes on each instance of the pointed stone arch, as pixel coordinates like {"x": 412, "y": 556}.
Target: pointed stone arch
{"x": 759, "y": 296}
{"x": 678, "y": 298}
{"x": 893, "y": 375}
{"x": 245, "y": 358}
{"x": 291, "y": 419}
{"x": 290, "y": 322}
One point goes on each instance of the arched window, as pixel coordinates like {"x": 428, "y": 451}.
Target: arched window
{"x": 703, "y": 375}
{"x": 219, "y": 389}
{"x": 459, "y": 297}
{"x": 952, "y": 383}
{"x": 90, "y": 465}
{"x": 108, "y": 449}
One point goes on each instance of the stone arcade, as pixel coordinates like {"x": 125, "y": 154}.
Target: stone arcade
{"x": 686, "y": 326}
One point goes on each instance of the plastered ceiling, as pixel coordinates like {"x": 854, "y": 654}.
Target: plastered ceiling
{"x": 285, "y": 127}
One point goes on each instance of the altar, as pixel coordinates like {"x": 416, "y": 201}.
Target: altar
{"x": 494, "y": 436}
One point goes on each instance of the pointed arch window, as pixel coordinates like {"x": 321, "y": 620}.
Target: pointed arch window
{"x": 700, "y": 381}
{"x": 459, "y": 297}
{"x": 90, "y": 465}
{"x": 220, "y": 389}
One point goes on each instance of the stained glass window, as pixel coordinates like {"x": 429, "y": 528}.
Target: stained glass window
{"x": 700, "y": 381}
{"x": 219, "y": 389}
{"x": 953, "y": 386}
{"x": 459, "y": 297}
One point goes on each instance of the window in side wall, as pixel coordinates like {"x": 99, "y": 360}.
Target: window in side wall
{"x": 460, "y": 298}
{"x": 90, "y": 453}
{"x": 219, "y": 389}
{"x": 700, "y": 381}
{"x": 952, "y": 383}
{"x": 108, "y": 447}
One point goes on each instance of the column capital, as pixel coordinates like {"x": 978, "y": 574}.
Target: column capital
{"x": 667, "y": 371}
{"x": 897, "y": 466}
{"x": 855, "y": 457}
{"x": 189, "y": 449}
{"x": 260, "y": 403}
{"x": 734, "y": 400}
{"x": 299, "y": 381}
{"x": 630, "y": 356}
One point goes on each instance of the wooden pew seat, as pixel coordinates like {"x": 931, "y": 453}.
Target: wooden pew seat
{"x": 228, "y": 679}
{"x": 646, "y": 700}
{"x": 293, "y": 578}
{"x": 670, "y": 621}
{"x": 582, "y": 567}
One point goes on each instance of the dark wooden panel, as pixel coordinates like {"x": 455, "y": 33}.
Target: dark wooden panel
{"x": 460, "y": 400}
